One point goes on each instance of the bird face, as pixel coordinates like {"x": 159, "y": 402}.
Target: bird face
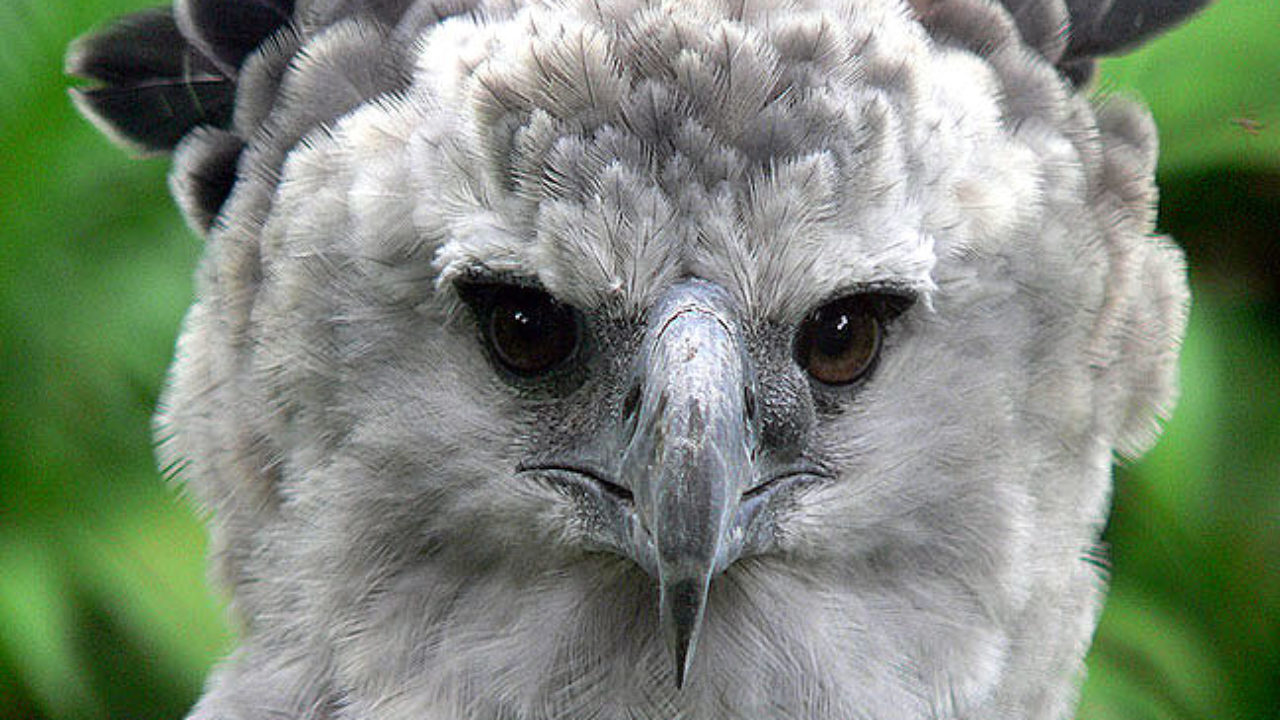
{"x": 643, "y": 360}
{"x": 644, "y": 403}
{"x": 673, "y": 465}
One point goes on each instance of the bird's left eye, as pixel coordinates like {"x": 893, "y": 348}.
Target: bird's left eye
{"x": 839, "y": 342}
{"x": 529, "y": 332}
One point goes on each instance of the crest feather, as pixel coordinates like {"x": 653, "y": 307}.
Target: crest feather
{"x": 154, "y": 86}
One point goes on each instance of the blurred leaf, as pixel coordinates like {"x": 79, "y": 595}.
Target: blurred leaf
{"x": 1191, "y": 628}
{"x": 36, "y": 628}
{"x": 101, "y": 563}
{"x": 145, "y": 563}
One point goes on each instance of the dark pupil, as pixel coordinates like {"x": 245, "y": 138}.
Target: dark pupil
{"x": 530, "y": 332}
{"x": 834, "y": 335}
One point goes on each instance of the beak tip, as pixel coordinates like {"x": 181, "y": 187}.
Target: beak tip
{"x": 680, "y": 674}
{"x": 683, "y": 609}
{"x": 682, "y": 657}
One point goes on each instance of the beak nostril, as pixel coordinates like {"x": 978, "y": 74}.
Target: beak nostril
{"x": 760, "y": 489}
{"x": 631, "y": 404}
{"x": 619, "y": 493}
{"x": 749, "y": 404}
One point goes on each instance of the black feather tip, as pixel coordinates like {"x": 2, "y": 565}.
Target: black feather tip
{"x": 154, "y": 87}
{"x": 227, "y": 31}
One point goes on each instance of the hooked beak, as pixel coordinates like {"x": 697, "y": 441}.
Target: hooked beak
{"x": 688, "y": 459}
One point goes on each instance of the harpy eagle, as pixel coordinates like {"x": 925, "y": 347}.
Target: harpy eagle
{"x": 567, "y": 359}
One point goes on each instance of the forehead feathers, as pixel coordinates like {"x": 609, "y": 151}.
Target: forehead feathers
{"x": 786, "y": 152}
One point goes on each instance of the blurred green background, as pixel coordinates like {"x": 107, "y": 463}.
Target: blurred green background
{"x": 103, "y": 608}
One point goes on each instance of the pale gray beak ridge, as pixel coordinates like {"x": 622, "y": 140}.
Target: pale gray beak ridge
{"x": 688, "y": 460}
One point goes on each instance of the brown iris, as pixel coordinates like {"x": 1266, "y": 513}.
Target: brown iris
{"x": 839, "y": 342}
{"x": 529, "y": 331}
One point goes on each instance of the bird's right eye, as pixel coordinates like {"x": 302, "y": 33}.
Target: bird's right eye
{"x": 528, "y": 331}
{"x": 839, "y": 342}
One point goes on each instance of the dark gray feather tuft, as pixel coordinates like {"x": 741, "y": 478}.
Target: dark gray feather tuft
{"x": 1070, "y": 33}
{"x": 204, "y": 173}
{"x": 155, "y": 86}
{"x": 1105, "y": 27}
{"x": 228, "y": 30}
{"x": 321, "y": 13}
{"x": 1110, "y": 27}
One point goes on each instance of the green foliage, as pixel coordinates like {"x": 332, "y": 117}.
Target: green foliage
{"x": 1191, "y": 629}
{"x": 1213, "y": 86}
{"x": 103, "y": 609}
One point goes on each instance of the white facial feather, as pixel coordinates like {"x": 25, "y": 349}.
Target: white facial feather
{"x": 331, "y": 405}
